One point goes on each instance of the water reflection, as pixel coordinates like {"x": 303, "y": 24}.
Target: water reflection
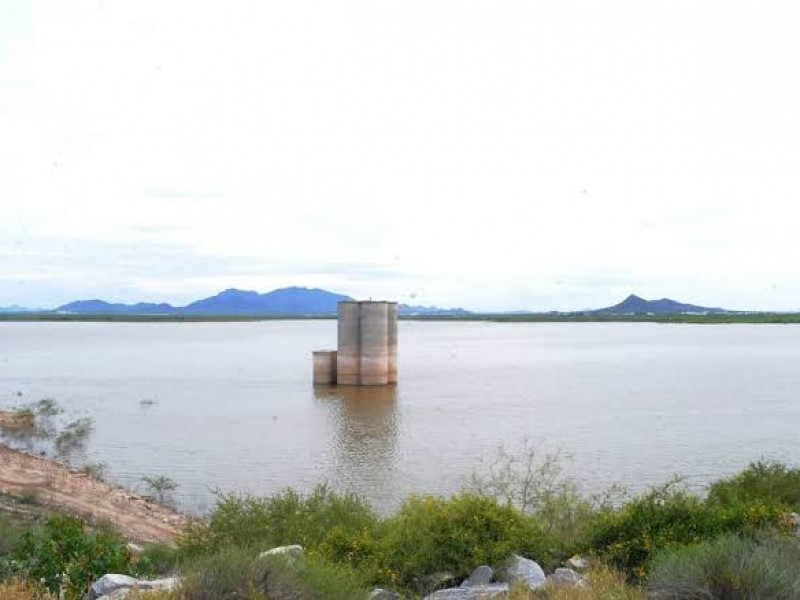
{"x": 363, "y": 425}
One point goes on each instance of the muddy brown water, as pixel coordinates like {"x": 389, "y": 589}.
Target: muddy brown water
{"x": 230, "y": 406}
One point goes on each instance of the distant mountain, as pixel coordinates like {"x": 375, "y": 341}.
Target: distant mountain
{"x": 16, "y": 309}
{"x": 405, "y": 309}
{"x": 285, "y": 301}
{"x": 633, "y": 304}
{"x": 101, "y": 307}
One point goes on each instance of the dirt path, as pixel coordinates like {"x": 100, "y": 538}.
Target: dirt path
{"x": 64, "y": 489}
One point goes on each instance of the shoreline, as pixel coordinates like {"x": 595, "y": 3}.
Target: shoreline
{"x": 64, "y": 489}
{"x": 749, "y": 318}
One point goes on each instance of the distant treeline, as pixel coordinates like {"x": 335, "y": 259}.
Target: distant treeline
{"x": 716, "y": 318}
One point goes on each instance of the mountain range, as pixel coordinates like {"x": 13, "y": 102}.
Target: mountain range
{"x": 16, "y": 309}
{"x": 300, "y": 301}
{"x": 284, "y": 301}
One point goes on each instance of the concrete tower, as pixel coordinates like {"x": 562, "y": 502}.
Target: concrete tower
{"x": 367, "y": 346}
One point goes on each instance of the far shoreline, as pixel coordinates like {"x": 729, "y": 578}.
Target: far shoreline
{"x": 755, "y": 318}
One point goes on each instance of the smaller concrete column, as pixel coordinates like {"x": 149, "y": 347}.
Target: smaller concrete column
{"x": 324, "y": 367}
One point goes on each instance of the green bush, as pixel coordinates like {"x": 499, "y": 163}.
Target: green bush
{"x": 313, "y": 579}
{"x": 9, "y": 535}
{"x": 229, "y": 573}
{"x": 765, "y": 482}
{"x": 667, "y": 517}
{"x": 454, "y": 535}
{"x": 729, "y": 567}
{"x": 237, "y": 573}
{"x": 536, "y": 483}
{"x": 158, "y": 559}
{"x": 62, "y": 545}
{"x": 286, "y": 518}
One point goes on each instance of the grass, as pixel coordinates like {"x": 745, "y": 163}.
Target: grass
{"x": 21, "y": 589}
{"x": 729, "y": 567}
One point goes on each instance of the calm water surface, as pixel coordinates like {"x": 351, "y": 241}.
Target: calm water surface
{"x": 234, "y": 408}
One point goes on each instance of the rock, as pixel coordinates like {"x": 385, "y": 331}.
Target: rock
{"x": 108, "y": 584}
{"x": 565, "y": 577}
{"x": 114, "y": 586}
{"x": 480, "y": 576}
{"x": 526, "y": 571}
{"x": 578, "y": 563}
{"x": 478, "y": 592}
{"x": 437, "y": 580}
{"x": 135, "y": 549}
{"x": 794, "y": 522}
{"x": 119, "y": 594}
{"x": 382, "y": 594}
{"x": 291, "y": 553}
{"x": 123, "y": 593}
{"x": 167, "y": 583}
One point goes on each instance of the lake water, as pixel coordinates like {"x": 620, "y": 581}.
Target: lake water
{"x": 233, "y": 407}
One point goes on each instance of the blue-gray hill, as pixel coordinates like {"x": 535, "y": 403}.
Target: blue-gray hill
{"x": 294, "y": 301}
{"x": 285, "y": 301}
{"x": 15, "y": 308}
{"x": 101, "y": 307}
{"x": 635, "y": 305}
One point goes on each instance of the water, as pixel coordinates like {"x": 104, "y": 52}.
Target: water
{"x": 233, "y": 407}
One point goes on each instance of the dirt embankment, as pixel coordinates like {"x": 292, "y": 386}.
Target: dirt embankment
{"x": 16, "y": 420}
{"x": 67, "y": 490}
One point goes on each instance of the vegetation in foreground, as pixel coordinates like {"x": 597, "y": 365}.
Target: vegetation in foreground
{"x": 729, "y": 566}
{"x": 735, "y": 542}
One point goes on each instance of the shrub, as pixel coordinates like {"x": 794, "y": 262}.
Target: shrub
{"x": 63, "y": 546}
{"x": 286, "y": 518}
{"x": 236, "y": 573}
{"x": 95, "y": 470}
{"x": 765, "y": 482}
{"x": 429, "y": 535}
{"x": 312, "y": 579}
{"x": 230, "y": 573}
{"x": 666, "y": 517}
{"x": 158, "y": 559}
{"x": 9, "y": 535}
{"x": 727, "y": 567}
{"x": 73, "y": 438}
{"x": 163, "y": 488}
{"x": 536, "y": 484}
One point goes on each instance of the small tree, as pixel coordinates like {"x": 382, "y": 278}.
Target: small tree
{"x": 73, "y": 439}
{"x": 163, "y": 488}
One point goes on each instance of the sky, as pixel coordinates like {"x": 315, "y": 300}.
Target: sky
{"x": 494, "y": 155}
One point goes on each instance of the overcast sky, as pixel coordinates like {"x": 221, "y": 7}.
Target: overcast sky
{"x": 492, "y": 155}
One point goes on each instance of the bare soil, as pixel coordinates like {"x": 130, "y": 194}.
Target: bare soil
{"x": 14, "y": 420}
{"x": 56, "y": 486}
